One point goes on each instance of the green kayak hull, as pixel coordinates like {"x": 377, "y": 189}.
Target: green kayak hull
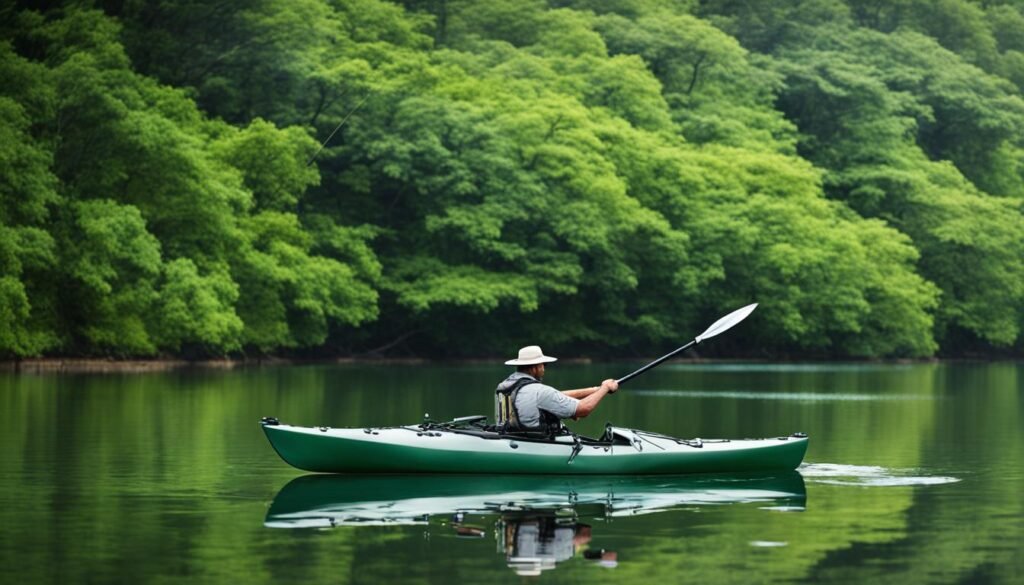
{"x": 415, "y": 450}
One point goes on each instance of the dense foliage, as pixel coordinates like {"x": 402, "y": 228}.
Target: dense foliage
{"x": 593, "y": 175}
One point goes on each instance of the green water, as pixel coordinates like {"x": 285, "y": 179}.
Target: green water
{"x": 915, "y": 474}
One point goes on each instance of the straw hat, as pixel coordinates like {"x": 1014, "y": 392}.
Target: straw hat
{"x": 529, "y": 355}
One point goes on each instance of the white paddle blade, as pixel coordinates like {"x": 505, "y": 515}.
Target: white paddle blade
{"x": 726, "y": 323}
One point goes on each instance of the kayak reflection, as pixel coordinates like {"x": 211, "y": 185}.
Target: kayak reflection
{"x": 336, "y": 500}
{"x": 536, "y": 520}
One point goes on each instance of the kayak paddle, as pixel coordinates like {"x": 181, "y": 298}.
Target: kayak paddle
{"x": 720, "y": 326}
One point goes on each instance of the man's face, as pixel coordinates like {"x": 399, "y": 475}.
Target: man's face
{"x": 538, "y": 371}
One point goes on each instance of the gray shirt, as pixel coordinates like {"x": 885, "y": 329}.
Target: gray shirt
{"x": 534, "y": 397}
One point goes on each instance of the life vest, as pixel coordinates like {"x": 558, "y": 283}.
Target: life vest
{"x": 508, "y": 414}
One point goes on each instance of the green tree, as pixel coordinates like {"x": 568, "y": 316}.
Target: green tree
{"x": 487, "y": 170}
{"x": 289, "y": 297}
{"x": 273, "y": 163}
{"x": 872, "y": 121}
{"x": 113, "y": 266}
{"x": 27, "y": 191}
{"x": 195, "y": 310}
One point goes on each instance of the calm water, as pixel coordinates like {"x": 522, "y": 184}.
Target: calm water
{"x": 915, "y": 474}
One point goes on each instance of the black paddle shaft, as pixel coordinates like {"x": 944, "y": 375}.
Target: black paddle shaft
{"x": 656, "y": 362}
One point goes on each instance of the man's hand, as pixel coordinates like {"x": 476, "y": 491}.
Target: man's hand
{"x": 611, "y": 385}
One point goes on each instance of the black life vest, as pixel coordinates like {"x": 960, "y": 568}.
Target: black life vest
{"x": 508, "y": 414}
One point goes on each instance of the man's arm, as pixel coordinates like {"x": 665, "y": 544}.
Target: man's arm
{"x": 588, "y": 404}
{"x": 582, "y": 392}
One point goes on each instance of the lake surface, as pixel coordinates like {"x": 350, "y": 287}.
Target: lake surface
{"x": 915, "y": 474}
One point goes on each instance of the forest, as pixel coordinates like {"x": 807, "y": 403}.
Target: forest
{"x": 456, "y": 178}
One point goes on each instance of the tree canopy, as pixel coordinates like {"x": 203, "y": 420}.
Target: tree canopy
{"x": 455, "y": 177}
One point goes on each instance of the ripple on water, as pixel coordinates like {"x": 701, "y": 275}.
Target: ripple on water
{"x": 768, "y": 543}
{"x": 869, "y": 475}
{"x": 794, "y": 396}
{"x": 784, "y": 508}
{"x": 795, "y": 367}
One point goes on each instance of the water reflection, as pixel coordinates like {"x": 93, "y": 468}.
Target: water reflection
{"x": 334, "y": 500}
{"x": 536, "y": 521}
{"x": 537, "y": 542}
{"x": 163, "y": 478}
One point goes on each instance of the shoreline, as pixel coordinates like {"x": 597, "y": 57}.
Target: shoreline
{"x": 112, "y": 365}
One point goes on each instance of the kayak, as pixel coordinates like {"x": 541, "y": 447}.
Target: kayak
{"x": 467, "y": 445}
{"x": 320, "y": 501}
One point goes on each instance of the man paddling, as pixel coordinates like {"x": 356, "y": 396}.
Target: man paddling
{"x": 523, "y": 403}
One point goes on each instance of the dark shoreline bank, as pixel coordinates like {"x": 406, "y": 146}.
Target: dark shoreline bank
{"x": 110, "y": 365}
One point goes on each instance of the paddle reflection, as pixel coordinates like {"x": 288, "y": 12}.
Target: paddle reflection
{"x": 535, "y": 520}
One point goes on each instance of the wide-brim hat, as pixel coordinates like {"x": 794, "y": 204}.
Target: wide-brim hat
{"x": 530, "y": 355}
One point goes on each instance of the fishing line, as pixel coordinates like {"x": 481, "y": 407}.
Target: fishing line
{"x": 345, "y": 119}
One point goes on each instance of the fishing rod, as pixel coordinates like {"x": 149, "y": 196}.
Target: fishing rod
{"x": 345, "y": 119}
